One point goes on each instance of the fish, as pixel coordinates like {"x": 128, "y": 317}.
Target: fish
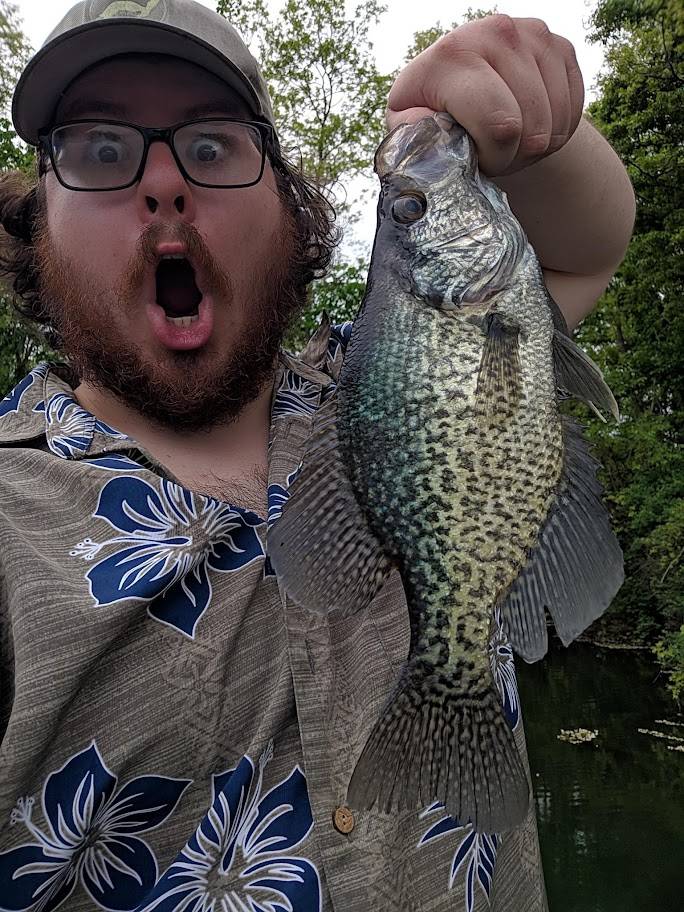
{"x": 444, "y": 453}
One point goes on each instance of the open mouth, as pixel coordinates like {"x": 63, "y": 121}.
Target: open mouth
{"x": 177, "y": 291}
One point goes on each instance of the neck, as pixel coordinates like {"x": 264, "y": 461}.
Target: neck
{"x": 225, "y": 453}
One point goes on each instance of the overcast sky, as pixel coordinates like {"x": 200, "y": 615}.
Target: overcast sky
{"x": 402, "y": 19}
{"x": 394, "y": 35}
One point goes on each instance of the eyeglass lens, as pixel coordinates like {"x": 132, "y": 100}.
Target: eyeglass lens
{"x": 104, "y": 156}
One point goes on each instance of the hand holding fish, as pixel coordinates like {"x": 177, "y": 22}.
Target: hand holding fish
{"x": 512, "y": 84}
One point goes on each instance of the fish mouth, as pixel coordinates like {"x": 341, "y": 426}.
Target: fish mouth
{"x": 425, "y": 150}
{"x": 178, "y": 289}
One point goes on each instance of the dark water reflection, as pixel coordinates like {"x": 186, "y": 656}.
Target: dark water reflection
{"x": 611, "y": 812}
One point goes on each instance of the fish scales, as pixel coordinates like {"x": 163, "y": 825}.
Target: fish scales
{"x": 444, "y": 454}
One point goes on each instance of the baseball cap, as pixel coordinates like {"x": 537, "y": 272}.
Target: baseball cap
{"x": 94, "y": 30}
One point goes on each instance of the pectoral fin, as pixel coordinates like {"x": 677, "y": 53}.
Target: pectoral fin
{"x": 321, "y": 548}
{"x": 577, "y": 375}
{"x": 575, "y": 569}
{"x": 499, "y": 380}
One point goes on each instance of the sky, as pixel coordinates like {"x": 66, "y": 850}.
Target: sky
{"x": 391, "y": 39}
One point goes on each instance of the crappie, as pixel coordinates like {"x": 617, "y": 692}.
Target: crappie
{"x": 443, "y": 453}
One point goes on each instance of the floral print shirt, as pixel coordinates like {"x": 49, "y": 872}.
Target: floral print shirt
{"x": 175, "y": 734}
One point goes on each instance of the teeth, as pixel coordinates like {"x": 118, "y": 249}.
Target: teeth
{"x": 183, "y": 321}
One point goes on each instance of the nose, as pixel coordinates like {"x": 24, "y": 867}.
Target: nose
{"x": 163, "y": 192}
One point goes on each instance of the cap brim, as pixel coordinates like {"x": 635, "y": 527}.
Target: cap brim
{"x": 56, "y": 65}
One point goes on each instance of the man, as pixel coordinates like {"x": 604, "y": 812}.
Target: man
{"x": 175, "y": 735}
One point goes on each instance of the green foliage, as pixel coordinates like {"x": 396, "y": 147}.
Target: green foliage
{"x": 19, "y": 347}
{"x": 328, "y": 96}
{"x": 670, "y": 654}
{"x": 339, "y": 295}
{"x": 637, "y": 333}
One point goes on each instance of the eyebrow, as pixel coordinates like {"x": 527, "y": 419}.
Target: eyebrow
{"x": 84, "y": 105}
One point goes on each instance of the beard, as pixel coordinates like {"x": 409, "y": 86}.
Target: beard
{"x": 191, "y": 390}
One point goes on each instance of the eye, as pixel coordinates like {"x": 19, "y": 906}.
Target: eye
{"x": 107, "y": 150}
{"x": 208, "y": 149}
{"x": 409, "y": 208}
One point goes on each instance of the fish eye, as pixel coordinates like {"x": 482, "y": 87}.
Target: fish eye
{"x": 409, "y": 208}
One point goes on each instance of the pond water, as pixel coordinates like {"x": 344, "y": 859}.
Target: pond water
{"x": 611, "y": 811}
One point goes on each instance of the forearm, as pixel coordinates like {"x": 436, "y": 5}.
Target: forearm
{"x": 576, "y": 206}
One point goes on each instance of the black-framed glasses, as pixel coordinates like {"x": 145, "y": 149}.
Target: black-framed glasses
{"x": 100, "y": 155}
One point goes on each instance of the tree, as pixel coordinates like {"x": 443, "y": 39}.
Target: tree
{"x": 327, "y": 93}
{"x": 637, "y": 333}
{"x": 20, "y": 346}
{"x": 423, "y": 39}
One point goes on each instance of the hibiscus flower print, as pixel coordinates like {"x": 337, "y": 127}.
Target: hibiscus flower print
{"x": 240, "y": 858}
{"x": 474, "y": 853}
{"x": 169, "y": 542}
{"x": 70, "y": 427}
{"x": 503, "y": 670}
{"x": 12, "y": 401}
{"x": 295, "y": 396}
{"x": 90, "y": 840}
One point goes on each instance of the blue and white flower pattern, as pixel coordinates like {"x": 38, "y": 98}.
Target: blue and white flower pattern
{"x": 169, "y": 542}
{"x": 91, "y": 837}
{"x": 503, "y": 670}
{"x": 12, "y": 401}
{"x": 475, "y": 853}
{"x": 340, "y": 334}
{"x": 277, "y": 497}
{"x": 70, "y": 427}
{"x": 241, "y": 857}
{"x": 295, "y": 396}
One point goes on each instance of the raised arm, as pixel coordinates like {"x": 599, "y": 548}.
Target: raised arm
{"x": 517, "y": 89}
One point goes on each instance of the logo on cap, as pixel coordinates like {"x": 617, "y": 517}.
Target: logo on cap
{"x": 135, "y": 8}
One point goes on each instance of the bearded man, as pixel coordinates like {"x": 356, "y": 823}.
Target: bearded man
{"x": 176, "y": 734}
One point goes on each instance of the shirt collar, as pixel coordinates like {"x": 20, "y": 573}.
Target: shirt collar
{"x": 43, "y": 405}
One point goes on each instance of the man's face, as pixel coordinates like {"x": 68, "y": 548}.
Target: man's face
{"x": 99, "y": 255}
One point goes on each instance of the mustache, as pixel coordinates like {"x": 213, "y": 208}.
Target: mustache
{"x": 214, "y": 279}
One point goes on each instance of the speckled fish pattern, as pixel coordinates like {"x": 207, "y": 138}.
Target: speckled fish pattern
{"x": 444, "y": 455}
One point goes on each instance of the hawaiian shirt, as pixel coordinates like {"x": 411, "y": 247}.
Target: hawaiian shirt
{"x": 175, "y": 733}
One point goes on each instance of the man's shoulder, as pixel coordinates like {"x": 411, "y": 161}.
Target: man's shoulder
{"x": 22, "y": 411}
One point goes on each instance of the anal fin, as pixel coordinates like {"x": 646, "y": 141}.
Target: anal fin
{"x": 576, "y": 567}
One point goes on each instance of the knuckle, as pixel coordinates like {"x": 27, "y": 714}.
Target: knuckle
{"x": 505, "y": 28}
{"x": 505, "y": 129}
{"x": 539, "y": 28}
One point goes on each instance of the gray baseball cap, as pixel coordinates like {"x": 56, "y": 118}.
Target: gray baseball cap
{"x": 94, "y": 30}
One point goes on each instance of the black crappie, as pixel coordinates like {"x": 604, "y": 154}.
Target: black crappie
{"x": 443, "y": 453}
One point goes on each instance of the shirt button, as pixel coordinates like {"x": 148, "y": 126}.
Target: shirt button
{"x": 343, "y": 820}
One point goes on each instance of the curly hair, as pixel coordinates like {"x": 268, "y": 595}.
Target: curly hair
{"x": 23, "y": 207}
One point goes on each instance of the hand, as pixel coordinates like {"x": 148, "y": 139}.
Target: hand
{"x": 511, "y": 83}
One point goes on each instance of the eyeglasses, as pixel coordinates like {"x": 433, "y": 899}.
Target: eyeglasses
{"x": 111, "y": 155}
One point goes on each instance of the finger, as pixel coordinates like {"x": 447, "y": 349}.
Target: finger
{"x": 462, "y": 83}
{"x": 521, "y": 74}
{"x": 575, "y": 83}
{"x": 554, "y": 75}
{"x": 410, "y": 115}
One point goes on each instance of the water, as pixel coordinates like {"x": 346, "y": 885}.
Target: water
{"x": 610, "y": 812}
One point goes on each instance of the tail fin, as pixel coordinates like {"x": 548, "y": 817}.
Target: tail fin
{"x": 448, "y": 748}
